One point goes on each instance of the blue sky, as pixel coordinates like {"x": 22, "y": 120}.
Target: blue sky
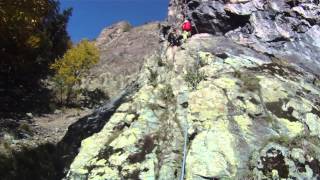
{"x": 91, "y": 16}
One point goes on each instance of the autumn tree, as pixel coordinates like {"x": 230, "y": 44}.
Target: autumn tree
{"x": 32, "y": 34}
{"x": 72, "y": 67}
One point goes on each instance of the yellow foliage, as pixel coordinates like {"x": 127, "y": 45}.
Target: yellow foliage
{"x": 23, "y": 12}
{"x": 74, "y": 65}
{"x": 33, "y": 41}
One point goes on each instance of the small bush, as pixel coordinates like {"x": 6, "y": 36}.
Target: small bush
{"x": 237, "y": 74}
{"x": 93, "y": 98}
{"x": 4, "y": 145}
{"x": 194, "y": 78}
{"x": 160, "y": 62}
{"x": 283, "y": 140}
{"x": 153, "y": 77}
{"x": 153, "y": 106}
{"x": 166, "y": 93}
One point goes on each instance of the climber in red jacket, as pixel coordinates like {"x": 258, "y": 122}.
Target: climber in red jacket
{"x": 186, "y": 28}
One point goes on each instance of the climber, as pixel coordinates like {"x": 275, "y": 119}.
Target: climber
{"x": 186, "y": 28}
{"x": 173, "y": 38}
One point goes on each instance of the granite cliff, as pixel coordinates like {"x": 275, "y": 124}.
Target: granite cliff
{"x": 242, "y": 93}
{"x": 238, "y": 100}
{"x": 286, "y": 29}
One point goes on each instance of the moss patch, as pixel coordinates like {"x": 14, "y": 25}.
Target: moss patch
{"x": 153, "y": 77}
{"x": 166, "y": 93}
{"x": 250, "y": 82}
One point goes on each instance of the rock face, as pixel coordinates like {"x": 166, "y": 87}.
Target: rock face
{"x": 112, "y": 32}
{"x": 244, "y": 102}
{"x": 122, "y": 50}
{"x": 284, "y": 29}
{"x": 247, "y": 116}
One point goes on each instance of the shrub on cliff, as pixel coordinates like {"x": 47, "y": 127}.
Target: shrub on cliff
{"x": 72, "y": 67}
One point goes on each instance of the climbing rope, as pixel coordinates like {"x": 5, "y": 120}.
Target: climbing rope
{"x": 187, "y": 127}
{"x": 183, "y": 167}
{"x": 185, "y": 8}
{"x": 184, "y": 152}
{"x": 195, "y": 26}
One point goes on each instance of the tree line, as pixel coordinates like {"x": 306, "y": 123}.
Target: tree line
{"x": 35, "y": 44}
{"x": 33, "y": 33}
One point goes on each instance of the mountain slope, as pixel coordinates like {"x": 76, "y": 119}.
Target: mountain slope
{"x": 122, "y": 49}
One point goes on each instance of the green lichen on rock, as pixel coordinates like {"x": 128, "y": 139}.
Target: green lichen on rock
{"x": 243, "y": 115}
{"x": 288, "y": 157}
{"x": 205, "y": 58}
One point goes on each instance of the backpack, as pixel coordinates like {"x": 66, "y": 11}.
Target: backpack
{"x": 174, "y": 40}
{"x": 186, "y": 26}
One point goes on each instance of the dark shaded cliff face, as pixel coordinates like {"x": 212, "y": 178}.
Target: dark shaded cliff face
{"x": 285, "y": 29}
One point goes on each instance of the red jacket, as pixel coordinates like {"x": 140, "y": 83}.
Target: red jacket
{"x": 186, "y": 26}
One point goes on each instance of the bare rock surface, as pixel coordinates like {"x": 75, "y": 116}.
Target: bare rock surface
{"x": 122, "y": 49}
{"x": 243, "y": 93}
{"x": 285, "y": 29}
{"x": 247, "y": 116}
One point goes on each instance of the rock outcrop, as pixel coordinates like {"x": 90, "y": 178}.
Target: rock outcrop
{"x": 247, "y": 116}
{"x": 242, "y": 97}
{"x": 284, "y": 29}
{"x": 122, "y": 50}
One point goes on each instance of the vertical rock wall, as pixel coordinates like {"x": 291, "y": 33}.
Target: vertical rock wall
{"x": 285, "y": 29}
